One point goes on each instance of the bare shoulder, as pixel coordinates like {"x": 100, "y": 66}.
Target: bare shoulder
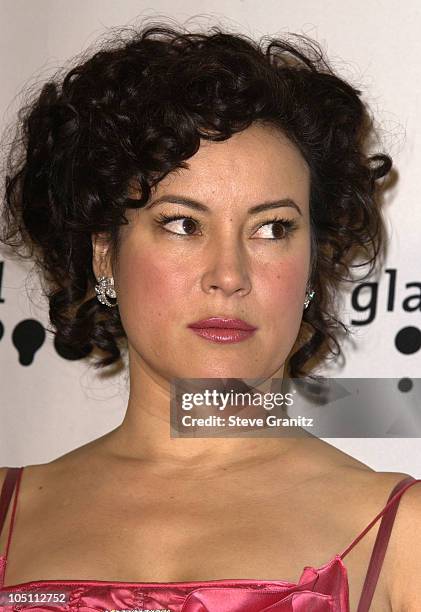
{"x": 369, "y": 488}
{"x": 367, "y": 492}
{"x": 41, "y": 481}
{"x": 345, "y": 468}
{"x": 405, "y": 549}
{"x": 69, "y": 466}
{"x": 401, "y": 572}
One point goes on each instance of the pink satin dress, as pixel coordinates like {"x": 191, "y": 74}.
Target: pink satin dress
{"x": 319, "y": 589}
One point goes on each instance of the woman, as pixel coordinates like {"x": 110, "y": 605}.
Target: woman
{"x": 242, "y": 173}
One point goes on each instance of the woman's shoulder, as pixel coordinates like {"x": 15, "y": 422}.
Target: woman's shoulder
{"x": 372, "y": 489}
{"x": 329, "y": 463}
{"x": 404, "y": 546}
{"x": 355, "y": 490}
{"x": 366, "y": 493}
{"x": 362, "y": 493}
{"x": 70, "y": 463}
{"x": 367, "y": 486}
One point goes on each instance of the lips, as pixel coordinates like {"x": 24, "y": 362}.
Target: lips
{"x": 222, "y": 323}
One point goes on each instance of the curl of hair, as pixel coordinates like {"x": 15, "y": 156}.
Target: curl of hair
{"x": 138, "y": 108}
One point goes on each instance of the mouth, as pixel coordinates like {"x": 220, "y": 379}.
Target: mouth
{"x": 223, "y": 329}
{"x": 222, "y": 323}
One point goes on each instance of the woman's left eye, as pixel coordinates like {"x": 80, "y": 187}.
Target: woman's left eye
{"x": 282, "y": 228}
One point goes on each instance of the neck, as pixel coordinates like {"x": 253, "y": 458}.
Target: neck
{"x": 145, "y": 435}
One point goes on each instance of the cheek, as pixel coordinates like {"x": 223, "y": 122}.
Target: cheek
{"x": 283, "y": 294}
{"x": 283, "y": 289}
{"x": 151, "y": 286}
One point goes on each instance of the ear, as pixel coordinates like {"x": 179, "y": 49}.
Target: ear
{"x": 101, "y": 255}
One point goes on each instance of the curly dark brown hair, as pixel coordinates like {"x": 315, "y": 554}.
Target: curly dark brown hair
{"x": 138, "y": 107}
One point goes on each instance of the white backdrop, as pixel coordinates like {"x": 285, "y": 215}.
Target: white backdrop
{"x": 52, "y": 405}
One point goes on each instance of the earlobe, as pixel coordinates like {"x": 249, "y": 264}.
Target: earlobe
{"x": 100, "y": 255}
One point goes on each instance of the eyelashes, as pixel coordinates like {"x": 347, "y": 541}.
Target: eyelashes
{"x": 287, "y": 226}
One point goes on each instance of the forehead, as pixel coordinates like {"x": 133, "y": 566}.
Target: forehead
{"x": 257, "y": 163}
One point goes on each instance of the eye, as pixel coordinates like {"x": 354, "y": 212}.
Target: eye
{"x": 281, "y": 230}
{"x": 187, "y": 226}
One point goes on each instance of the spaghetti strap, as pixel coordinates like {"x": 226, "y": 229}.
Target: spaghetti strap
{"x": 12, "y": 479}
{"x": 382, "y": 539}
{"x": 397, "y": 491}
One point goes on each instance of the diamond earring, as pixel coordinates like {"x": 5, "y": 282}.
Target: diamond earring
{"x": 309, "y": 297}
{"x": 105, "y": 287}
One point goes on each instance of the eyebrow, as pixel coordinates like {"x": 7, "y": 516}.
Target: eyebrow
{"x": 195, "y": 205}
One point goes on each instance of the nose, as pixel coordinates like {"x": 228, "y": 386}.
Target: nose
{"x": 226, "y": 268}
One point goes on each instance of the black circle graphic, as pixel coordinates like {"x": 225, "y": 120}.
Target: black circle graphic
{"x": 408, "y": 340}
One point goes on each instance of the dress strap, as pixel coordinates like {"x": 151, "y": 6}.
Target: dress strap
{"x": 12, "y": 479}
{"x": 382, "y": 539}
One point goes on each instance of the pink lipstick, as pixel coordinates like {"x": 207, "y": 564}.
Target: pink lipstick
{"x": 223, "y": 330}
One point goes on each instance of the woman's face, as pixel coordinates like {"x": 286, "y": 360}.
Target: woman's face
{"x": 224, "y": 262}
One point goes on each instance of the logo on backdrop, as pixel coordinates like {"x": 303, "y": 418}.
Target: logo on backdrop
{"x": 28, "y": 336}
{"x": 407, "y": 339}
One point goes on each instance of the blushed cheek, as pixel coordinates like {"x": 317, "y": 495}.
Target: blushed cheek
{"x": 286, "y": 283}
{"x": 153, "y": 289}
{"x": 282, "y": 306}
